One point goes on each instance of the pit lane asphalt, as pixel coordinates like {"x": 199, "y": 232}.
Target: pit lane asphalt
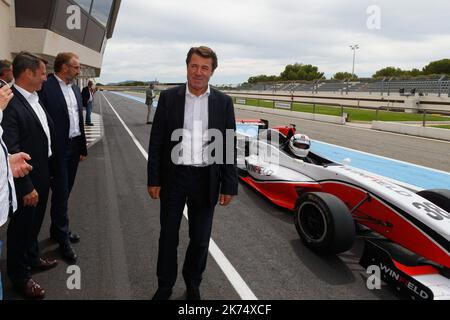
{"x": 119, "y": 224}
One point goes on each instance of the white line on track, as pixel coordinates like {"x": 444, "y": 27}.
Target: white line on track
{"x": 227, "y": 268}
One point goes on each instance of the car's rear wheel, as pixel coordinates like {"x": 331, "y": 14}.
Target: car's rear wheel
{"x": 439, "y": 197}
{"x": 324, "y": 223}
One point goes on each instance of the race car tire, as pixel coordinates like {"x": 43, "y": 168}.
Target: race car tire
{"x": 324, "y": 223}
{"x": 439, "y": 197}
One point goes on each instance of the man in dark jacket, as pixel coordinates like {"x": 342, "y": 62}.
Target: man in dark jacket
{"x": 192, "y": 175}
{"x": 62, "y": 100}
{"x": 28, "y": 128}
{"x": 88, "y": 99}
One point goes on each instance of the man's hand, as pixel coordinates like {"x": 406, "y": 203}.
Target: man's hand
{"x": 154, "y": 192}
{"x": 19, "y": 166}
{"x": 225, "y": 199}
{"x": 5, "y": 96}
{"x": 82, "y": 158}
{"x": 31, "y": 199}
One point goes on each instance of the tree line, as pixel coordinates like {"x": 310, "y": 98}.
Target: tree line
{"x": 308, "y": 72}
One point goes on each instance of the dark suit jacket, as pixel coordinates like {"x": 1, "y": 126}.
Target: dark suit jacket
{"x": 85, "y": 96}
{"x": 169, "y": 116}
{"x": 23, "y": 132}
{"x": 54, "y": 102}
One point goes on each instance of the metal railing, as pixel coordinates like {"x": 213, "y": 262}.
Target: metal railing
{"x": 272, "y": 104}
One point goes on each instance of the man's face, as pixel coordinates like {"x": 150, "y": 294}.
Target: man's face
{"x": 199, "y": 71}
{"x": 37, "y": 78}
{"x": 72, "y": 69}
{"x": 8, "y": 75}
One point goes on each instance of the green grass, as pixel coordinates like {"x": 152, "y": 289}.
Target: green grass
{"x": 446, "y": 126}
{"x": 260, "y": 103}
{"x": 354, "y": 114}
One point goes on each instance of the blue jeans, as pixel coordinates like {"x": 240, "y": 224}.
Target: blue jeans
{"x": 1, "y": 287}
{"x": 88, "y": 113}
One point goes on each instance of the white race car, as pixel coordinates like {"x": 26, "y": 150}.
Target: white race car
{"x": 407, "y": 234}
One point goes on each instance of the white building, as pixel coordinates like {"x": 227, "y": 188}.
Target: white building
{"x": 47, "y": 27}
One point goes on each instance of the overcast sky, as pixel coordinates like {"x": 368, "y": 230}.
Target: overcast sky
{"x": 253, "y": 37}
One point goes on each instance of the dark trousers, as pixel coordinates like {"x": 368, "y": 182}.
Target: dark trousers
{"x": 61, "y": 186}
{"x": 22, "y": 238}
{"x": 191, "y": 187}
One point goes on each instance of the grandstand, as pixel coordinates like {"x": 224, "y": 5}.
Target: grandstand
{"x": 431, "y": 86}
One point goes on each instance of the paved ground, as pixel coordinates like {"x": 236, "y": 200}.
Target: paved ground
{"x": 119, "y": 225}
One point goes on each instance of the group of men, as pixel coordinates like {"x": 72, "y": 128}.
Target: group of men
{"x": 43, "y": 127}
{"x": 42, "y": 124}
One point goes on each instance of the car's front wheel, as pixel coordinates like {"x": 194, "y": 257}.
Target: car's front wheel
{"x": 324, "y": 223}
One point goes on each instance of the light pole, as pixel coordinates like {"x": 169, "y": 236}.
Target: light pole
{"x": 354, "y": 48}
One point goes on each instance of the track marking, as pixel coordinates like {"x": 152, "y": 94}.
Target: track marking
{"x": 227, "y": 268}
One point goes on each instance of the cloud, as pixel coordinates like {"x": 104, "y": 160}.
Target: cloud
{"x": 260, "y": 37}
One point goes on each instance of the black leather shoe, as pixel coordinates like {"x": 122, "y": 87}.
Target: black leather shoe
{"x": 162, "y": 294}
{"x": 193, "y": 294}
{"x": 68, "y": 253}
{"x": 74, "y": 238}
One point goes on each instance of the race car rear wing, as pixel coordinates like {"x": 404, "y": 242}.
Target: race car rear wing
{"x": 261, "y": 123}
{"x": 288, "y": 130}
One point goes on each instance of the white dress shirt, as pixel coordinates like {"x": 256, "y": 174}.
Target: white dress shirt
{"x": 195, "y": 142}
{"x": 72, "y": 108}
{"x": 7, "y": 191}
{"x": 33, "y": 100}
{"x": 91, "y": 96}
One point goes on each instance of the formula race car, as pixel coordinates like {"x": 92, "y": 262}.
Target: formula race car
{"x": 407, "y": 233}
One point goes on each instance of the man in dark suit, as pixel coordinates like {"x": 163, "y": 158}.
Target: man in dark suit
{"x": 28, "y": 128}
{"x": 88, "y": 99}
{"x": 62, "y": 100}
{"x": 190, "y": 172}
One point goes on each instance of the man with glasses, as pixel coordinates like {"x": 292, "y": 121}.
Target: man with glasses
{"x": 62, "y": 100}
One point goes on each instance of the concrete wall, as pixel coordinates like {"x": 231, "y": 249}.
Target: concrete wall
{"x": 5, "y": 13}
{"x": 351, "y": 100}
{"x": 294, "y": 114}
{"x": 414, "y": 130}
{"x": 46, "y": 42}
